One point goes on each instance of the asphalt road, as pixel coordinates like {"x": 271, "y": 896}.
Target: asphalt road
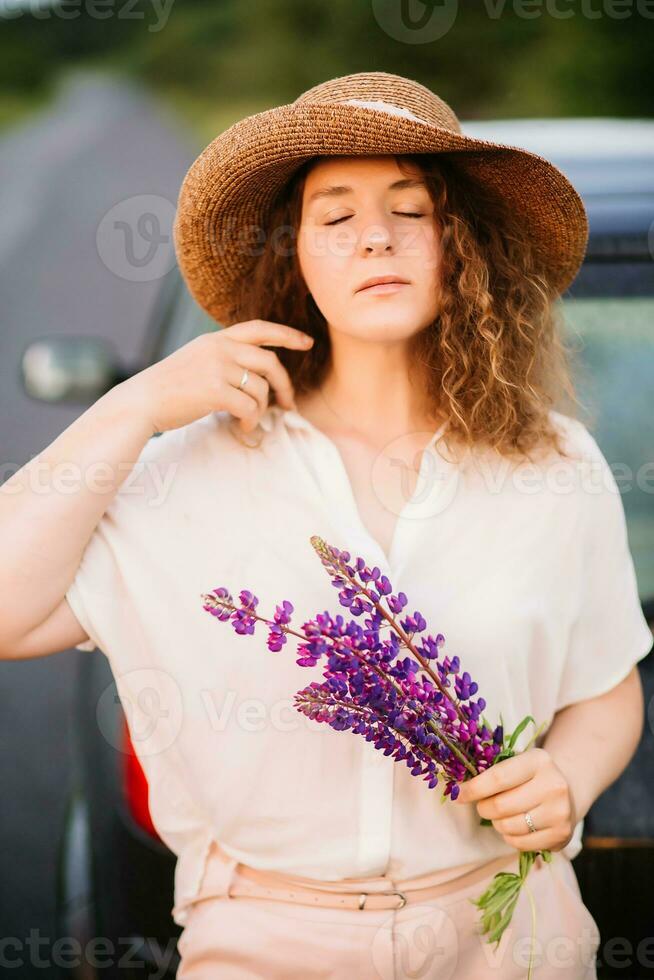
{"x": 100, "y": 144}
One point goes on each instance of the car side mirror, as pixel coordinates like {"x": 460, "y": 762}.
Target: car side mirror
{"x": 70, "y": 369}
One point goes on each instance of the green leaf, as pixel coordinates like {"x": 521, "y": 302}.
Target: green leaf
{"x": 496, "y": 933}
{"x": 497, "y": 901}
{"x": 518, "y": 731}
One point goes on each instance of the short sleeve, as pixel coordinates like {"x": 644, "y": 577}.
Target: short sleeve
{"x": 87, "y": 645}
{"x": 609, "y": 633}
{"x": 99, "y": 587}
{"x": 74, "y": 599}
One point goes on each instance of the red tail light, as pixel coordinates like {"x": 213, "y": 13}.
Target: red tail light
{"x": 135, "y": 786}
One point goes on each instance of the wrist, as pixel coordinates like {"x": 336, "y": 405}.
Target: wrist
{"x": 581, "y": 794}
{"x": 126, "y": 406}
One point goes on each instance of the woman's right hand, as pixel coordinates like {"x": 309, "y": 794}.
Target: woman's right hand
{"x": 203, "y": 376}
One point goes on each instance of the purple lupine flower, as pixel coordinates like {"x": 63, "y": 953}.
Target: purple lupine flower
{"x": 379, "y": 679}
{"x": 222, "y": 608}
{"x": 413, "y": 704}
{"x": 277, "y": 635}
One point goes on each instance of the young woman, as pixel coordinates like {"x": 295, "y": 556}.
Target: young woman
{"x": 322, "y": 406}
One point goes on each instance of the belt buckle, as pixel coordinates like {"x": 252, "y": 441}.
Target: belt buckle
{"x": 364, "y": 895}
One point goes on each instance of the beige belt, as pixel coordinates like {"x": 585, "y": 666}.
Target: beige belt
{"x": 249, "y": 882}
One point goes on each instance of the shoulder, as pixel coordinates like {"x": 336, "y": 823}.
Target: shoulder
{"x": 585, "y": 457}
{"x": 595, "y": 482}
{"x": 198, "y": 438}
{"x": 177, "y": 464}
{"x": 576, "y": 437}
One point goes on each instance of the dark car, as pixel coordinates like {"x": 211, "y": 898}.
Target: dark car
{"x": 116, "y": 875}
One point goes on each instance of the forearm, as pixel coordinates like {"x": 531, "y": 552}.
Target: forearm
{"x": 593, "y": 741}
{"x": 50, "y": 507}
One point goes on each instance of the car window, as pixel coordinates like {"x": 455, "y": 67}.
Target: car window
{"x": 614, "y": 343}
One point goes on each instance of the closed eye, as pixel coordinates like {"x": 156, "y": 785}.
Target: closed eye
{"x": 403, "y": 214}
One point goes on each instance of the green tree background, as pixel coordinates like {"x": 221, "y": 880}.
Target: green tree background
{"x": 217, "y": 60}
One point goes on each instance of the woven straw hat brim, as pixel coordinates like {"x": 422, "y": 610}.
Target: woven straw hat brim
{"x": 228, "y": 189}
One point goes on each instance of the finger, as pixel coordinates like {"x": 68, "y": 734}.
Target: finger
{"x": 243, "y": 405}
{"x": 499, "y": 777}
{"x": 542, "y": 840}
{"x": 267, "y": 365}
{"x": 512, "y": 801}
{"x": 255, "y": 386}
{"x": 269, "y": 332}
{"x": 516, "y": 826}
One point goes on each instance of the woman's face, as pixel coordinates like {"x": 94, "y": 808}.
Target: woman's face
{"x": 363, "y": 217}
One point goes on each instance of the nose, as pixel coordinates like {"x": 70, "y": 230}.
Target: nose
{"x": 376, "y": 238}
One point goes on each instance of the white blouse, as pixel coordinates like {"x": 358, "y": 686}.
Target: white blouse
{"x": 524, "y": 568}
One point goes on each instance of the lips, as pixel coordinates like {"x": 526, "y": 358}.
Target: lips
{"x": 377, "y": 280}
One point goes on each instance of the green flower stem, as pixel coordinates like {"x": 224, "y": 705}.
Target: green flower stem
{"x": 499, "y": 900}
{"x": 533, "y": 928}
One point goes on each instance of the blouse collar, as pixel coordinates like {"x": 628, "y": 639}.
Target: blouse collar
{"x": 290, "y": 418}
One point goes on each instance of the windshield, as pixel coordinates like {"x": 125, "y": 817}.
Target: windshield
{"x": 614, "y": 338}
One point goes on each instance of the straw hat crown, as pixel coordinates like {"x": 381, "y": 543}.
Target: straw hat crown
{"x": 387, "y": 93}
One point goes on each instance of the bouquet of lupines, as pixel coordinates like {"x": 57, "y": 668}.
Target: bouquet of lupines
{"x": 385, "y": 679}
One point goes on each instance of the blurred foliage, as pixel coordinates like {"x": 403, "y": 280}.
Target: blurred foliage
{"x": 217, "y": 60}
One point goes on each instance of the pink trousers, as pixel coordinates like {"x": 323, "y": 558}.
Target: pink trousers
{"x": 232, "y": 937}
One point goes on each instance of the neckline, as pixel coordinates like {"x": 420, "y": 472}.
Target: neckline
{"x": 295, "y": 420}
{"x": 354, "y": 530}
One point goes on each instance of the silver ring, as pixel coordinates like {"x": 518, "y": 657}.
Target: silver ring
{"x": 244, "y": 379}
{"x": 530, "y": 823}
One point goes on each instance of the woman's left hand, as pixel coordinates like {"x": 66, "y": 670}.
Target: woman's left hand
{"x": 530, "y": 781}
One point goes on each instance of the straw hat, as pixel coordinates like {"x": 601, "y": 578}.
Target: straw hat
{"x": 226, "y": 193}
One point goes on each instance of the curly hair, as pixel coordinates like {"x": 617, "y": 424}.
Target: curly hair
{"x": 494, "y": 360}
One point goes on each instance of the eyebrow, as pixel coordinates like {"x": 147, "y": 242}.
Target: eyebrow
{"x": 338, "y": 190}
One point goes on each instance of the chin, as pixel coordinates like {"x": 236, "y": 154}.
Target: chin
{"x": 386, "y": 328}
